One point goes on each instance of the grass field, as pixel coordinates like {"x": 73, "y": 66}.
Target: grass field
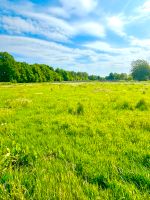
{"x": 75, "y": 141}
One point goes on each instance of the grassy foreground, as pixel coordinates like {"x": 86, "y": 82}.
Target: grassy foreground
{"x": 75, "y": 141}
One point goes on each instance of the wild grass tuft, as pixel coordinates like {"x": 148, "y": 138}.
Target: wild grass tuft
{"x": 18, "y": 157}
{"x": 79, "y": 110}
{"x": 18, "y": 103}
{"x": 142, "y": 105}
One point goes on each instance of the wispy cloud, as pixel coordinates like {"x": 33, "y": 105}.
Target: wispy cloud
{"x": 98, "y": 45}
{"x": 144, "y": 43}
{"x": 81, "y": 35}
{"x": 58, "y": 12}
{"x": 69, "y": 58}
{"x": 145, "y": 8}
{"x": 90, "y": 28}
{"x": 54, "y": 54}
{"x": 79, "y": 7}
{"x": 45, "y": 24}
{"x": 51, "y": 28}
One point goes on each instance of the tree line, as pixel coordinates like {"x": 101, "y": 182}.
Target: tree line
{"x": 22, "y": 72}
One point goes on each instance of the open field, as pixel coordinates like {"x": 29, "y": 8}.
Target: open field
{"x": 75, "y": 141}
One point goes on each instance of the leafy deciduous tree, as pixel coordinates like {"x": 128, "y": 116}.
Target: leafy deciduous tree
{"x": 140, "y": 70}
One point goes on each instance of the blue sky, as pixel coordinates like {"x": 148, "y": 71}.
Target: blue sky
{"x": 96, "y": 36}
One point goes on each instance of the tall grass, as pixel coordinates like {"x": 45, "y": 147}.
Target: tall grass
{"x": 74, "y": 141}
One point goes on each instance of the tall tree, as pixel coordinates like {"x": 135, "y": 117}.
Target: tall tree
{"x": 7, "y": 63}
{"x": 140, "y": 70}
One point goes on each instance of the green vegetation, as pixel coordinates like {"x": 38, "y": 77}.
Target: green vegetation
{"x": 140, "y": 70}
{"x": 21, "y": 72}
{"x": 75, "y": 141}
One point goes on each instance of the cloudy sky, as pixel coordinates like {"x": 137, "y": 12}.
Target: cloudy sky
{"x": 96, "y": 36}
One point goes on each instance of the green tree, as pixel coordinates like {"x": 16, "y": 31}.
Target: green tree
{"x": 7, "y": 63}
{"x": 111, "y": 77}
{"x": 140, "y": 70}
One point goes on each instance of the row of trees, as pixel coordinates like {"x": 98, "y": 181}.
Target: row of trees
{"x": 21, "y": 72}
{"x": 117, "y": 77}
{"x": 12, "y": 71}
{"x": 140, "y": 71}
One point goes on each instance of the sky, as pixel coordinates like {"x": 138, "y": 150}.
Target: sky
{"x": 95, "y": 36}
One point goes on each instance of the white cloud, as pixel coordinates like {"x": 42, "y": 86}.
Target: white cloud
{"x": 36, "y": 50}
{"x": 146, "y": 7}
{"x": 19, "y": 7}
{"x": 143, "y": 43}
{"x": 45, "y": 23}
{"x": 35, "y": 20}
{"x": 141, "y": 13}
{"x": 116, "y": 24}
{"x": 79, "y": 7}
{"x": 95, "y": 57}
{"x": 83, "y": 59}
{"x": 62, "y": 24}
{"x": 58, "y": 11}
{"x": 90, "y": 28}
{"x": 122, "y": 57}
{"x": 17, "y": 24}
{"x": 56, "y": 29}
{"x": 43, "y": 50}
{"x": 98, "y": 45}
{"x": 52, "y": 28}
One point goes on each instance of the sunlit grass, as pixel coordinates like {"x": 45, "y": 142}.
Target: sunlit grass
{"x": 75, "y": 141}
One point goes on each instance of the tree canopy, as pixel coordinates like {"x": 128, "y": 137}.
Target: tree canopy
{"x": 7, "y": 70}
{"x": 22, "y": 72}
{"x": 140, "y": 70}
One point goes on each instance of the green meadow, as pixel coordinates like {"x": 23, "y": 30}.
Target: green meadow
{"x": 75, "y": 141}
